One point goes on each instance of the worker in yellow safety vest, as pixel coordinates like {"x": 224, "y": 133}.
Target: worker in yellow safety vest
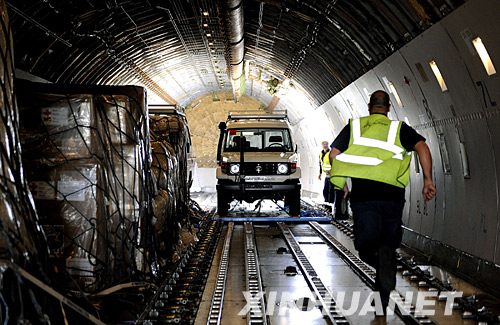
{"x": 375, "y": 153}
{"x": 324, "y": 169}
{"x": 330, "y": 194}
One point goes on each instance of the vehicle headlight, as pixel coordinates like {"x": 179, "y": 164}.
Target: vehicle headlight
{"x": 235, "y": 169}
{"x": 282, "y": 168}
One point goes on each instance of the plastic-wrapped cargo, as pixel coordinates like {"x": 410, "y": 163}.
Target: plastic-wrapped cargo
{"x": 118, "y": 119}
{"x": 123, "y": 194}
{"x": 167, "y": 124}
{"x": 178, "y": 140}
{"x": 70, "y": 203}
{"x": 64, "y": 128}
{"x": 171, "y": 144}
{"x": 21, "y": 237}
{"x": 165, "y": 169}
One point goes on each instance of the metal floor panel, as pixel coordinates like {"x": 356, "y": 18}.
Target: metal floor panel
{"x": 282, "y": 290}
{"x": 338, "y": 276}
{"x": 287, "y": 288}
{"x": 404, "y": 285}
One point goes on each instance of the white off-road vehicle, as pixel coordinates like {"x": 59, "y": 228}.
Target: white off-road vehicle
{"x": 257, "y": 159}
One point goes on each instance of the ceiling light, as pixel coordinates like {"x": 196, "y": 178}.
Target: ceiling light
{"x": 485, "y": 57}
{"x": 395, "y": 93}
{"x": 212, "y": 51}
{"x": 210, "y": 43}
{"x": 341, "y": 116}
{"x": 205, "y": 25}
{"x": 205, "y": 13}
{"x": 439, "y": 76}
{"x": 209, "y": 35}
{"x": 368, "y": 94}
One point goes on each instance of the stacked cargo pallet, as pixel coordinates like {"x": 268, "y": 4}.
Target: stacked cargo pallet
{"x": 170, "y": 142}
{"x": 77, "y": 199}
{"x": 86, "y": 154}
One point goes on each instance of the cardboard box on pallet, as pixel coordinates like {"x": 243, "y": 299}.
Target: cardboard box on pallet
{"x": 125, "y": 200}
{"x": 57, "y": 127}
{"x": 117, "y": 120}
{"x": 70, "y": 202}
{"x": 121, "y": 111}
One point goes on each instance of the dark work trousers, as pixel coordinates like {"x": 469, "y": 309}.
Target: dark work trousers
{"x": 377, "y": 234}
{"x": 328, "y": 189}
{"x": 339, "y": 197}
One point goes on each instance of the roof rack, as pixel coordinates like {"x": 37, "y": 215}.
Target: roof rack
{"x": 256, "y": 114}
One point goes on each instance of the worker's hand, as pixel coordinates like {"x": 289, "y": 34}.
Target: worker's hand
{"x": 328, "y": 172}
{"x": 346, "y": 191}
{"x": 319, "y": 177}
{"x": 428, "y": 191}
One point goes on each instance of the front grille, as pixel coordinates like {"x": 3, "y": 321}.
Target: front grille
{"x": 266, "y": 168}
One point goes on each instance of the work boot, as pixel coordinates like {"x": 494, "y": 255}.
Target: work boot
{"x": 385, "y": 304}
{"x": 386, "y": 273}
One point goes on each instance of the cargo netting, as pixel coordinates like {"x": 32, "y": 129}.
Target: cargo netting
{"x": 86, "y": 153}
{"x": 171, "y": 143}
{"x": 21, "y": 238}
{"x": 91, "y": 207}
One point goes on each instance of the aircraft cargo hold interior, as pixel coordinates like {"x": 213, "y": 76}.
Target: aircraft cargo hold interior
{"x": 249, "y": 162}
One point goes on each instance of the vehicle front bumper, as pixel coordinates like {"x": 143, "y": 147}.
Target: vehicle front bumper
{"x": 235, "y": 187}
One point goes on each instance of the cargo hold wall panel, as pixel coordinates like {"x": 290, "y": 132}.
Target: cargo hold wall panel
{"x": 460, "y": 123}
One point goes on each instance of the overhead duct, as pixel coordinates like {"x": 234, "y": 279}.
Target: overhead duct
{"x": 235, "y": 49}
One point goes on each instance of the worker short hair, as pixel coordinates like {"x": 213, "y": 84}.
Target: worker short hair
{"x": 379, "y": 99}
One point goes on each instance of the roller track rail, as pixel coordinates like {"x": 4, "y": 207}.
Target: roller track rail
{"x": 329, "y": 306}
{"x": 178, "y": 298}
{"x": 257, "y": 313}
{"x": 366, "y": 273}
{"x": 409, "y": 268}
{"x": 215, "y": 313}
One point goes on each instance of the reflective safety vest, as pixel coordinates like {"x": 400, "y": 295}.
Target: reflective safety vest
{"x": 375, "y": 152}
{"x": 325, "y": 161}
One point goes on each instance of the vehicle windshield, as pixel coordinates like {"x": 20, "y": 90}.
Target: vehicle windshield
{"x": 255, "y": 140}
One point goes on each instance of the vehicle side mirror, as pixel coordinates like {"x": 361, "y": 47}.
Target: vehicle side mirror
{"x": 296, "y": 148}
{"x": 222, "y": 126}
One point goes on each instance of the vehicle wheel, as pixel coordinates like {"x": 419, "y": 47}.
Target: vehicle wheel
{"x": 286, "y": 200}
{"x": 222, "y": 204}
{"x": 294, "y": 200}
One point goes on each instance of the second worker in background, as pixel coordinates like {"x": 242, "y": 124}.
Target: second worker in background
{"x": 330, "y": 194}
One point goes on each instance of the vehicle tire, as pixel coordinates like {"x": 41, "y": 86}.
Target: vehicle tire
{"x": 294, "y": 200}
{"x": 222, "y": 203}
{"x": 286, "y": 200}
